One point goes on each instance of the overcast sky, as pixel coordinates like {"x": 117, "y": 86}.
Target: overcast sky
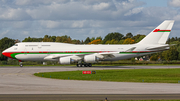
{"x": 85, "y": 18}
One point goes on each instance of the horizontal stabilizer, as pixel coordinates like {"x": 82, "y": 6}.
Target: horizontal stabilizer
{"x": 131, "y": 49}
{"x": 159, "y": 47}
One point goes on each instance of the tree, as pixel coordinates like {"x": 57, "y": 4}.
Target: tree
{"x": 172, "y": 39}
{"x": 58, "y": 39}
{"x": 29, "y": 39}
{"x": 171, "y": 54}
{"x": 174, "y": 53}
{"x": 129, "y": 35}
{"x": 76, "y": 41}
{"x": 154, "y": 57}
{"x": 113, "y": 41}
{"x": 46, "y": 36}
{"x": 87, "y": 40}
{"x": 128, "y": 41}
{"x": 178, "y": 49}
{"x": 175, "y": 49}
{"x": 99, "y": 37}
{"x": 47, "y": 40}
{"x": 53, "y": 38}
{"x": 168, "y": 41}
{"x": 121, "y": 42}
{"x": 116, "y": 36}
{"x": 4, "y": 44}
{"x": 64, "y": 39}
{"x": 138, "y": 38}
{"x": 93, "y": 38}
{"x": 95, "y": 41}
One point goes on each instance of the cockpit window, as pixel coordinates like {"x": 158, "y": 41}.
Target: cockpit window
{"x": 16, "y": 45}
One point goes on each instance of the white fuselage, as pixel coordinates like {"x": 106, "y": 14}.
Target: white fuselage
{"x": 45, "y": 51}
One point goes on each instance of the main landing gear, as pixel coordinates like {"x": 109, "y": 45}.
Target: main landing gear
{"x": 84, "y": 65}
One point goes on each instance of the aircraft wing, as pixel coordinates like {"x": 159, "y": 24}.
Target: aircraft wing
{"x": 102, "y": 56}
{"x": 106, "y": 55}
{"x": 130, "y": 50}
{"x": 57, "y": 56}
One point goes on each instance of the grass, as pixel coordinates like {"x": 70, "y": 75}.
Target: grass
{"x": 108, "y": 100}
{"x": 127, "y": 75}
{"x": 24, "y": 65}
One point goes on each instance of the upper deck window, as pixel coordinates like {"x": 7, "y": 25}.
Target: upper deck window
{"x": 46, "y": 45}
{"x": 33, "y": 45}
{"x": 16, "y": 45}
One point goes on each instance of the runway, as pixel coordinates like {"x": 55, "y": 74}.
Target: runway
{"x": 16, "y": 80}
{"x": 101, "y": 97}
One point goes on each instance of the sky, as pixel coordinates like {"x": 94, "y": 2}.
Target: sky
{"x": 80, "y": 19}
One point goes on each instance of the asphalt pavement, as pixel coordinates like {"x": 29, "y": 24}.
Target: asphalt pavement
{"x": 19, "y": 81}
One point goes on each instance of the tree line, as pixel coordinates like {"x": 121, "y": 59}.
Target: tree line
{"x": 112, "y": 38}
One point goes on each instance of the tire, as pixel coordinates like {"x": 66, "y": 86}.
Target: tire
{"x": 90, "y": 65}
{"x": 21, "y": 65}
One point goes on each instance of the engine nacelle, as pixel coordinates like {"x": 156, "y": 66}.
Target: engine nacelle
{"x": 91, "y": 59}
{"x": 66, "y": 60}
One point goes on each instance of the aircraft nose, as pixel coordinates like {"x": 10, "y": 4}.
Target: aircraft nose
{"x": 6, "y": 54}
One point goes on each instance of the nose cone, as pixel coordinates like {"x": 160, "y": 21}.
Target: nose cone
{"x": 4, "y": 53}
{"x": 7, "y": 54}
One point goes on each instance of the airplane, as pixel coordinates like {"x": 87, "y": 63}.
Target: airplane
{"x": 85, "y": 55}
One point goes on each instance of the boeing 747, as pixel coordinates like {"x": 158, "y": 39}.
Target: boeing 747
{"x": 85, "y": 55}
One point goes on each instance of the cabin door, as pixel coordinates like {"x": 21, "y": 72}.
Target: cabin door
{"x": 48, "y": 52}
{"x": 25, "y": 51}
{"x": 39, "y": 46}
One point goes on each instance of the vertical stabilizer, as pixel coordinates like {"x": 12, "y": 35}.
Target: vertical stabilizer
{"x": 160, "y": 34}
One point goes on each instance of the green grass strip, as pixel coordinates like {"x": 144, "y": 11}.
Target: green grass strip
{"x": 125, "y": 75}
{"x": 103, "y": 100}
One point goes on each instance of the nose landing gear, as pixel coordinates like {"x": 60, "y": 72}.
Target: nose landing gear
{"x": 20, "y": 63}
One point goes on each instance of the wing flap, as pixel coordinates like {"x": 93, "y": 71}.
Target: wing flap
{"x": 104, "y": 55}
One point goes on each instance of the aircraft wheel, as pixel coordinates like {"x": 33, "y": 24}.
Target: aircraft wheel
{"x": 90, "y": 65}
{"x": 85, "y": 65}
{"x": 79, "y": 65}
{"x": 21, "y": 65}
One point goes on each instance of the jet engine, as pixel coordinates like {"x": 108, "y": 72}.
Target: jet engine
{"x": 91, "y": 58}
{"x": 66, "y": 60}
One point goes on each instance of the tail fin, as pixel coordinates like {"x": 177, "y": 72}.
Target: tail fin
{"x": 160, "y": 34}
